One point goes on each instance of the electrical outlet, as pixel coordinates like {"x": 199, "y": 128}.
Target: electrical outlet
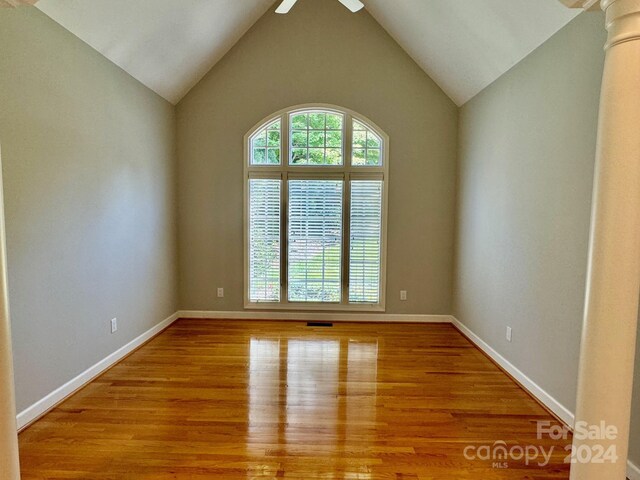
{"x": 114, "y": 325}
{"x": 220, "y": 292}
{"x": 403, "y": 295}
{"x": 509, "y": 334}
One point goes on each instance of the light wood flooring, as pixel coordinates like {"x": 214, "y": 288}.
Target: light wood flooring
{"x": 213, "y": 399}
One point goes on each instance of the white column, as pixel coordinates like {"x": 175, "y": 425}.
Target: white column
{"x": 613, "y": 282}
{"x": 9, "y": 464}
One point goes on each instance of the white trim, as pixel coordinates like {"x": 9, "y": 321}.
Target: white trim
{"x": 42, "y": 406}
{"x": 584, "y": 4}
{"x": 633, "y": 471}
{"x": 312, "y": 307}
{"x": 323, "y": 316}
{"x": 562, "y": 412}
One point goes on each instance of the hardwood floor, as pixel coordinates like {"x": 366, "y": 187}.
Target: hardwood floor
{"x": 273, "y": 400}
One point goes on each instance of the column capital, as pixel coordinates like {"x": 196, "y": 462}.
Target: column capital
{"x": 584, "y": 4}
{"x": 623, "y": 21}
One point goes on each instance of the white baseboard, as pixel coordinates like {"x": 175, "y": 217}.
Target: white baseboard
{"x": 563, "y": 413}
{"x": 533, "y": 388}
{"x": 38, "y": 409}
{"x": 323, "y": 316}
{"x": 633, "y": 471}
{"x": 35, "y": 411}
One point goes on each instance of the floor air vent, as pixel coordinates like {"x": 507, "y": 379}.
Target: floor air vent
{"x": 319, "y": 324}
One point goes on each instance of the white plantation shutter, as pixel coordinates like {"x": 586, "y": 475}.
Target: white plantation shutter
{"x": 315, "y": 240}
{"x": 264, "y": 240}
{"x": 365, "y": 241}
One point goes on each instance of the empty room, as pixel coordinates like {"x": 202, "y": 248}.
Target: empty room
{"x": 319, "y": 239}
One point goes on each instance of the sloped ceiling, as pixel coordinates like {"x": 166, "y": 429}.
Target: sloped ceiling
{"x": 464, "y": 45}
{"x": 169, "y": 45}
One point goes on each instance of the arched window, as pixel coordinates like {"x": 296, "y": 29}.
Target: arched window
{"x": 316, "y": 181}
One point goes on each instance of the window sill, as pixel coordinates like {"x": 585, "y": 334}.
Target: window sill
{"x": 306, "y": 307}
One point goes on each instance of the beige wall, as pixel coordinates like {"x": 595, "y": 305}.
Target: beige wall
{"x": 318, "y": 53}
{"x": 526, "y": 158}
{"x": 88, "y": 161}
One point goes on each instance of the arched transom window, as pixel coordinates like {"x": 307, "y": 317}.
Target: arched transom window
{"x": 315, "y": 215}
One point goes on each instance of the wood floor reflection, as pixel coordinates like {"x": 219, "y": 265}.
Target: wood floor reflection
{"x": 280, "y": 400}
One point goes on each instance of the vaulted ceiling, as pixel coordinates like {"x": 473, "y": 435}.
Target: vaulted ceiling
{"x": 168, "y": 45}
{"x": 464, "y": 45}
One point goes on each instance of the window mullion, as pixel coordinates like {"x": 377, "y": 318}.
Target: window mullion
{"x": 284, "y": 140}
{"x": 284, "y": 240}
{"x": 348, "y": 142}
{"x": 346, "y": 212}
{"x": 346, "y": 238}
{"x": 284, "y": 229}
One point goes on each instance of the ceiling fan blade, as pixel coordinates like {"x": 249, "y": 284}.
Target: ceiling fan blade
{"x": 353, "y": 5}
{"x": 285, "y": 6}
